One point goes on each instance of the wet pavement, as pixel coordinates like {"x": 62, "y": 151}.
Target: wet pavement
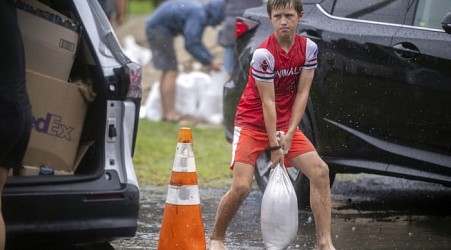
{"x": 368, "y": 212}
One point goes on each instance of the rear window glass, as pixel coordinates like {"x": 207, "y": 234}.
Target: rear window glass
{"x": 387, "y": 11}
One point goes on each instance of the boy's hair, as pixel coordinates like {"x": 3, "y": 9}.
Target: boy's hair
{"x": 279, "y": 4}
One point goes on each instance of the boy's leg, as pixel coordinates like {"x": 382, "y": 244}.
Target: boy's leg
{"x": 311, "y": 165}
{"x": 231, "y": 201}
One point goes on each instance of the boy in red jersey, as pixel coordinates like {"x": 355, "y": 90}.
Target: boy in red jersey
{"x": 275, "y": 97}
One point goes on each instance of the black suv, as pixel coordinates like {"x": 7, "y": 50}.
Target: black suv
{"x": 78, "y": 185}
{"x": 381, "y": 99}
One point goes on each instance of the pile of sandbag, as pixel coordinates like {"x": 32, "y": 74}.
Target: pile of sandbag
{"x": 198, "y": 94}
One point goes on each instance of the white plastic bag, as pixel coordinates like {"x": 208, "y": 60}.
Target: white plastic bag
{"x": 210, "y": 103}
{"x": 279, "y": 211}
{"x": 152, "y": 107}
{"x": 187, "y": 95}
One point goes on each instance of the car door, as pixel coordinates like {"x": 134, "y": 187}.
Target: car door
{"x": 420, "y": 115}
{"x": 348, "y": 95}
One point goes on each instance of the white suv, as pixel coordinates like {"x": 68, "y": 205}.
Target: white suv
{"x": 78, "y": 186}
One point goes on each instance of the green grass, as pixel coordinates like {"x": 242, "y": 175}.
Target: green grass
{"x": 155, "y": 151}
{"x": 140, "y": 7}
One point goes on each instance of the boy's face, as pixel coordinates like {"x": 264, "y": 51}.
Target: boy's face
{"x": 285, "y": 21}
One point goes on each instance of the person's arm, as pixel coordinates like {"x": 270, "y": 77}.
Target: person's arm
{"x": 262, "y": 70}
{"x": 302, "y": 94}
{"x": 266, "y": 91}
{"x": 267, "y": 96}
{"x": 305, "y": 82}
{"x": 262, "y": 65}
{"x": 193, "y": 32}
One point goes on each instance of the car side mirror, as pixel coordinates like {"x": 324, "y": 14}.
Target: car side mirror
{"x": 446, "y": 23}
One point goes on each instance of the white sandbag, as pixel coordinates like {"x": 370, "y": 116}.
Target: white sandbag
{"x": 197, "y": 94}
{"x": 279, "y": 211}
{"x": 152, "y": 106}
{"x": 186, "y": 102}
{"x": 187, "y": 95}
{"x": 210, "y": 103}
{"x": 202, "y": 81}
{"x": 136, "y": 52}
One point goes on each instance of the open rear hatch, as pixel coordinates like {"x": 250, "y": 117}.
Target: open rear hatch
{"x": 65, "y": 85}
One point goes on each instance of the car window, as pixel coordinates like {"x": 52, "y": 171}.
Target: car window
{"x": 429, "y": 13}
{"x": 372, "y": 10}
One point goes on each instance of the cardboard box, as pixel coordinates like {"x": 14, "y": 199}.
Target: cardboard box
{"x": 50, "y": 47}
{"x": 59, "y": 110}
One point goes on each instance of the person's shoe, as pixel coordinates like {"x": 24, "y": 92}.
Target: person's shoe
{"x": 216, "y": 245}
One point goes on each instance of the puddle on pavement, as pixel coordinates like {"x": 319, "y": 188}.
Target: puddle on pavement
{"x": 365, "y": 215}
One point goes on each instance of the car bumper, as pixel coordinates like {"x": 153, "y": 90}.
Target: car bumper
{"x": 64, "y": 217}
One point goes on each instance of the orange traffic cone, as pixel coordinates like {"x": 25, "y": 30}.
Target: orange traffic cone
{"x": 182, "y": 226}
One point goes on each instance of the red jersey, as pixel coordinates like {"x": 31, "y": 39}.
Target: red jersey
{"x": 271, "y": 64}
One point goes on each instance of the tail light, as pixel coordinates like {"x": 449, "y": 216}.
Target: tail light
{"x": 135, "y": 78}
{"x": 243, "y": 25}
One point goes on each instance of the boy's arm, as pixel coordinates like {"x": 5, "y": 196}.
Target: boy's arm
{"x": 304, "y": 84}
{"x": 267, "y": 96}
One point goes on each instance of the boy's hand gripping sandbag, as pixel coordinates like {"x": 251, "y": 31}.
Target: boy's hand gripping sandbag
{"x": 279, "y": 211}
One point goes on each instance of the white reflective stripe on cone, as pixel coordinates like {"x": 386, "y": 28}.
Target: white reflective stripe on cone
{"x": 184, "y": 158}
{"x": 183, "y": 195}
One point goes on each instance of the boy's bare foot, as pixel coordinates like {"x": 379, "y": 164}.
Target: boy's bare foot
{"x": 216, "y": 245}
{"x": 328, "y": 247}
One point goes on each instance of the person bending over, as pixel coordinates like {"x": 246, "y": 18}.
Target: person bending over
{"x": 173, "y": 18}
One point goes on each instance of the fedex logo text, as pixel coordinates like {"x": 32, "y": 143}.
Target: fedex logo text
{"x": 52, "y": 125}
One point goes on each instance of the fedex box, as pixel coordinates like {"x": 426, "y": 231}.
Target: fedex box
{"x": 50, "y": 39}
{"x": 59, "y": 110}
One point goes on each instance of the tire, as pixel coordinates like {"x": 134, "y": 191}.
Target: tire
{"x": 300, "y": 182}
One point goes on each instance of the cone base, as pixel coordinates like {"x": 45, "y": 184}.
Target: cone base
{"x": 182, "y": 228}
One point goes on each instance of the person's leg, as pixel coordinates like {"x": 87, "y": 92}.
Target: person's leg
{"x": 317, "y": 171}
{"x": 109, "y": 7}
{"x": 165, "y": 59}
{"x": 121, "y": 11}
{"x": 168, "y": 95}
{"x": 15, "y": 131}
{"x": 231, "y": 202}
{"x": 3, "y": 176}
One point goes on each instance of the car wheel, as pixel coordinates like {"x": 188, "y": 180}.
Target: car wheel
{"x": 300, "y": 182}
